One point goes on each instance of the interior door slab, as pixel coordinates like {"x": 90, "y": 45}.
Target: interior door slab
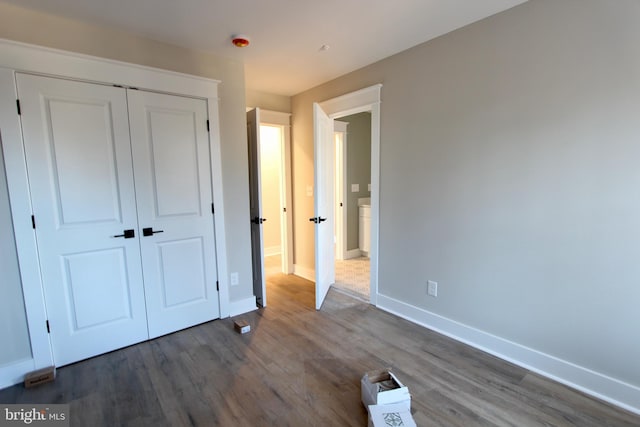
{"x": 78, "y": 156}
{"x": 170, "y": 146}
{"x": 323, "y": 203}
{"x": 255, "y": 206}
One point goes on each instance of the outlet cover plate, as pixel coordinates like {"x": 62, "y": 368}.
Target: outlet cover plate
{"x": 432, "y": 288}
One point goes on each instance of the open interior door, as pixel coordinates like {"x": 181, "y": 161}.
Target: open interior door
{"x": 253, "y": 135}
{"x": 323, "y": 203}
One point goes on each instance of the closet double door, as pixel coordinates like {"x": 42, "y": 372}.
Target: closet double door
{"x": 121, "y": 192}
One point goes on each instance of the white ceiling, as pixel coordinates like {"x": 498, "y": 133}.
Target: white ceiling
{"x": 284, "y": 56}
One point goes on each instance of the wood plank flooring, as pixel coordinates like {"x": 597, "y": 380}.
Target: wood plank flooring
{"x": 299, "y": 367}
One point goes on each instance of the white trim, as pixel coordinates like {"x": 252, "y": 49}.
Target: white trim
{"x": 353, "y": 253}
{"x": 304, "y": 272}
{"x": 242, "y": 306}
{"x": 341, "y": 191}
{"x": 20, "y": 202}
{"x": 14, "y": 373}
{"x": 43, "y": 60}
{"x": 374, "y": 249}
{"x": 593, "y": 383}
{"x": 218, "y": 203}
{"x": 367, "y": 99}
{"x": 272, "y": 250}
{"x": 354, "y": 102}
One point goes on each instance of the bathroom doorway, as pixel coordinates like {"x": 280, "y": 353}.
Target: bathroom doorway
{"x": 324, "y": 113}
{"x": 352, "y": 139}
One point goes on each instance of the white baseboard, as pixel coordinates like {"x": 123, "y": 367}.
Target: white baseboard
{"x": 304, "y": 272}
{"x": 243, "y": 306}
{"x": 14, "y": 373}
{"x": 593, "y": 383}
{"x": 272, "y": 250}
{"x": 353, "y": 253}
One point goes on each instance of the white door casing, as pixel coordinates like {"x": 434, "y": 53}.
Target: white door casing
{"x": 255, "y": 206}
{"x": 99, "y": 229}
{"x": 81, "y": 178}
{"x": 70, "y": 65}
{"x": 340, "y": 135}
{"x": 174, "y": 197}
{"x": 323, "y": 203}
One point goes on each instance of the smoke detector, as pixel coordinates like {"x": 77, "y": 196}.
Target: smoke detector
{"x": 240, "y": 40}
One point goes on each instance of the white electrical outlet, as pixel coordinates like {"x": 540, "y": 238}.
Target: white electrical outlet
{"x": 234, "y": 279}
{"x": 432, "y": 288}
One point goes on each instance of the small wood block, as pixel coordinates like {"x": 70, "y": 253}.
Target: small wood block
{"x": 241, "y": 326}
{"x": 40, "y": 376}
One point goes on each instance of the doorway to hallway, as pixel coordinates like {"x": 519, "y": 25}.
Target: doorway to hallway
{"x": 270, "y": 183}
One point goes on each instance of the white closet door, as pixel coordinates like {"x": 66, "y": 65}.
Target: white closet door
{"x": 80, "y": 171}
{"x": 170, "y": 147}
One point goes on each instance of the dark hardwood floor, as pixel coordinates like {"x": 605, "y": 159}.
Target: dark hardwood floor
{"x": 299, "y": 367}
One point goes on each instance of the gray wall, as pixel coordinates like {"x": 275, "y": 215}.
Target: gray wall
{"x": 358, "y": 170}
{"x": 47, "y": 30}
{"x": 268, "y": 101}
{"x": 509, "y": 174}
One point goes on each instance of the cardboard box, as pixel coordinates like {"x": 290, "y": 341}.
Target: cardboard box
{"x": 383, "y": 388}
{"x": 390, "y": 415}
{"x": 241, "y": 326}
{"x": 40, "y": 376}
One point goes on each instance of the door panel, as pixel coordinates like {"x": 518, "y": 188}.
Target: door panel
{"x": 323, "y": 203}
{"x": 78, "y": 156}
{"x": 182, "y": 263}
{"x": 174, "y": 166}
{"x": 170, "y": 146}
{"x": 97, "y": 276}
{"x": 89, "y": 139}
{"x": 255, "y": 208}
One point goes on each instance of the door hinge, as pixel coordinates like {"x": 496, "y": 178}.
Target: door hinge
{"x": 48, "y": 328}
{"x": 207, "y": 125}
{"x": 213, "y": 209}
{"x": 33, "y": 221}
{"x": 217, "y": 286}
{"x": 18, "y": 106}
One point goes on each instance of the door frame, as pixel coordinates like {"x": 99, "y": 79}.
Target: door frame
{"x": 367, "y": 99}
{"x": 27, "y": 58}
{"x": 341, "y": 189}
{"x": 283, "y": 120}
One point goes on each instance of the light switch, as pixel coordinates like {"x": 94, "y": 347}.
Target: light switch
{"x": 369, "y": 187}
{"x": 309, "y": 190}
{"x": 355, "y": 188}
